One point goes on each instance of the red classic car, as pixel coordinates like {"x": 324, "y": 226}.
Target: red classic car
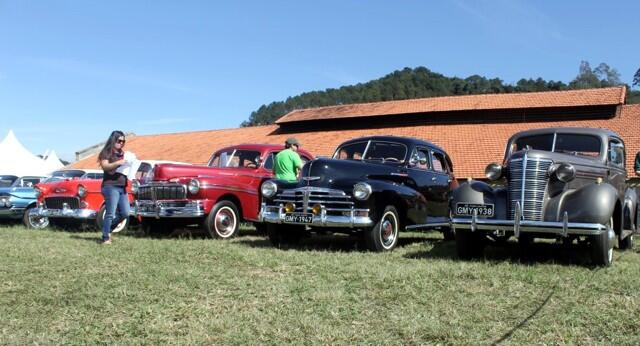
{"x": 76, "y": 195}
{"x": 216, "y": 197}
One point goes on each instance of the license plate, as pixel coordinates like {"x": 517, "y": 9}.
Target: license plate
{"x": 298, "y": 218}
{"x": 481, "y": 210}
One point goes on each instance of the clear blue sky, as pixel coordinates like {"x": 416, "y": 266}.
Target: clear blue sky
{"x": 72, "y": 71}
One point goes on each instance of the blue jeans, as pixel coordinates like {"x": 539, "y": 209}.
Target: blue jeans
{"x": 115, "y": 197}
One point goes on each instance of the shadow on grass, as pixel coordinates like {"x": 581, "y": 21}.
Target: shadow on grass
{"x": 540, "y": 252}
{"x": 328, "y": 243}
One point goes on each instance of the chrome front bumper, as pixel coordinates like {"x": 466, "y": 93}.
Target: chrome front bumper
{"x": 276, "y": 214}
{"x": 66, "y": 213}
{"x": 167, "y": 208}
{"x": 518, "y": 226}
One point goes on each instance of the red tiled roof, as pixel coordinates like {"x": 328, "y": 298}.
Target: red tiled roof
{"x": 547, "y": 99}
{"x": 471, "y": 146}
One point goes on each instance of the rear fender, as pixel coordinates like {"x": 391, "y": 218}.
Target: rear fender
{"x": 478, "y": 192}
{"x": 593, "y": 203}
{"x": 630, "y": 210}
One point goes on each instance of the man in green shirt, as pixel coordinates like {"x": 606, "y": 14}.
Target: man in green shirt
{"x": 287, "y": 163}
{"x": 636, "y": 167}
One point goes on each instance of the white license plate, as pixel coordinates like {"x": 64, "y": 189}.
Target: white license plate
{"x": 481, "y": 210}
{"x": 298, "y": 218}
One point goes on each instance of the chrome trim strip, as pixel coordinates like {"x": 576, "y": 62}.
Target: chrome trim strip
{"x": 66, "y": 213}
{"x": 558, "y": 228}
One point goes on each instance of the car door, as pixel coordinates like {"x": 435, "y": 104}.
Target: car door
{"x": 422, "y": 178}
{"x": 440, "y": 185}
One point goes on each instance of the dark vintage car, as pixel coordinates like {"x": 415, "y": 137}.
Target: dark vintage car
{"x": 374, "y": 186}
{"x": 565, "y": 183}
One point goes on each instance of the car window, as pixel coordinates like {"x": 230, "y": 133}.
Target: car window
{"x": 7, "y": 180}
{"x": 616, "y": 153}
{"x": 536, "y": 142}
{"x": 577, "y": 144}
{"x": 143, "y": 170}
{"x": 236, "y": 158}
{"x": 27, "y": 182}
{"x": 386, "y": 151}
{"x": 438, "y": 162}
{"x": 420, "y": 159}
{"x": 352, "y": 151}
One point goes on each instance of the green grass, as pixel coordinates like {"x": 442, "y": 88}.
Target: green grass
{"x": 60, "y": 287}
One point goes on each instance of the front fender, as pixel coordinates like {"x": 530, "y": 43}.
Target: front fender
{"x": 630, "y": 209}
{"x": 478, "y": 192}
{"x": 593, "y": 203}
{"x": 411, "y": 204}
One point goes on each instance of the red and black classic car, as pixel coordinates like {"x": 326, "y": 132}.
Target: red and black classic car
{"x": 373, "y": 186}
{"x": 217, "y": 196}
{"x": 563, "y": 183}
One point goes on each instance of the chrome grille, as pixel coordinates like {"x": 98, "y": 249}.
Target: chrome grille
{"x": 162, "y": 192}
{"x": 527, "y": 186}
{"x": 305, "y": 198}
{"x": 58, "y": 202}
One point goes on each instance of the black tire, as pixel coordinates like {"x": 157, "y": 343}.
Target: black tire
{"x": 626, "y": 243}
{"x": 223, "y": 222}
{"x": 284, "y": 235}
{"x": 261, "y": 228}
{"x": 602, "y": 248}
{"x": 100, "y": 218}
{"x": 448, "y": 233}
{"x": 383, "y": 236}
{"x": 469, "y": 244}
{"x": 31, "y": 221}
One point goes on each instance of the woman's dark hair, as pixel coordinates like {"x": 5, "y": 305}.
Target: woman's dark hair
{"x": 107, "y": 150}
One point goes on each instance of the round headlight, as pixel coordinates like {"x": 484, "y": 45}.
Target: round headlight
{"x": 361, "y": 191}
{"x": 493, "y": 171}
{"x": 194, "y": 186}
{"x": 565, "y": 172}
{"x": 269, "y": 189}
{"x": 135, "y": 185}
{"x": 82, "y": 191}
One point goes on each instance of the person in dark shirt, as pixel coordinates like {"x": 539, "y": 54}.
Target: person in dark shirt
{"x": 114, "y": 184}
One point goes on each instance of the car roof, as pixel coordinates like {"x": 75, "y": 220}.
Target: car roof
{"x": 603, "y": 133}
{"x": 399, "y": 139}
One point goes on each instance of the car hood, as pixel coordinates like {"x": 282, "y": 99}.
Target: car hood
{"x": 332, "y": 173}
{"x": 21, "y": 192}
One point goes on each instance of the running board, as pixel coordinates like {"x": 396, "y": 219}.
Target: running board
{"x": 428, "y": 225}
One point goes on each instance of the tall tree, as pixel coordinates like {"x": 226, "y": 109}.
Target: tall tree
{"x": 636, "y": 78}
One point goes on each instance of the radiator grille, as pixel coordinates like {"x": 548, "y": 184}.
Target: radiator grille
{"x": 306, "y": 197}
{"x": 162, "y": 192}
{"x": 528, "y": 186}
{"x": 58, "y": 202}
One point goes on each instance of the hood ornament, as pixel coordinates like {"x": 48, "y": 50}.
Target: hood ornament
{"x": 60, "y": 190}
{"x": 310, "y": 178}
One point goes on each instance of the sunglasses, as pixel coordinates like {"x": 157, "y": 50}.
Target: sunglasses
{"x": 121, "y": 141}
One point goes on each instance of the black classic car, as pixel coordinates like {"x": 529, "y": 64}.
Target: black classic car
{"x": 375, "y": 186}
{"x": 564, "y": 183}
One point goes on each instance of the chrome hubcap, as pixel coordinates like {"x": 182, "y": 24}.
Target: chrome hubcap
{"x": 225, "y": 221}
{"x": 38, "y": 221}
{"x": 388, "y": 230}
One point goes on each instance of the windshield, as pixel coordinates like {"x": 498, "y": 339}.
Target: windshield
{"x": 61, "y": 175}
{"x": 26, "y": 182}
{"x": 566, "y": 143}
{"x": 7, "y": 180}
{"x": 372, "y": 150}
{"x": 237, "y": 158}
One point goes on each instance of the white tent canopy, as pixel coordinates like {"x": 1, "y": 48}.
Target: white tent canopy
{"x": 15, "y": 159}
{"x": 52, "y": 162}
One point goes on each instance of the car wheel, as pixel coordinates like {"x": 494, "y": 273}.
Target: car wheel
{"x": 626, "y": 243}
{"x": 469, "y": 244}
{"x": 223, "y": 221}
{"x": 33, "y": 221}
{"x": 448, "y": 233}
{"x": 261, "y": 228}
{"x": 602, "y": 247}
{"x": 282, "y": 235}
{"x": 100, "y": 218}
{"x": 383, "y": 236}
